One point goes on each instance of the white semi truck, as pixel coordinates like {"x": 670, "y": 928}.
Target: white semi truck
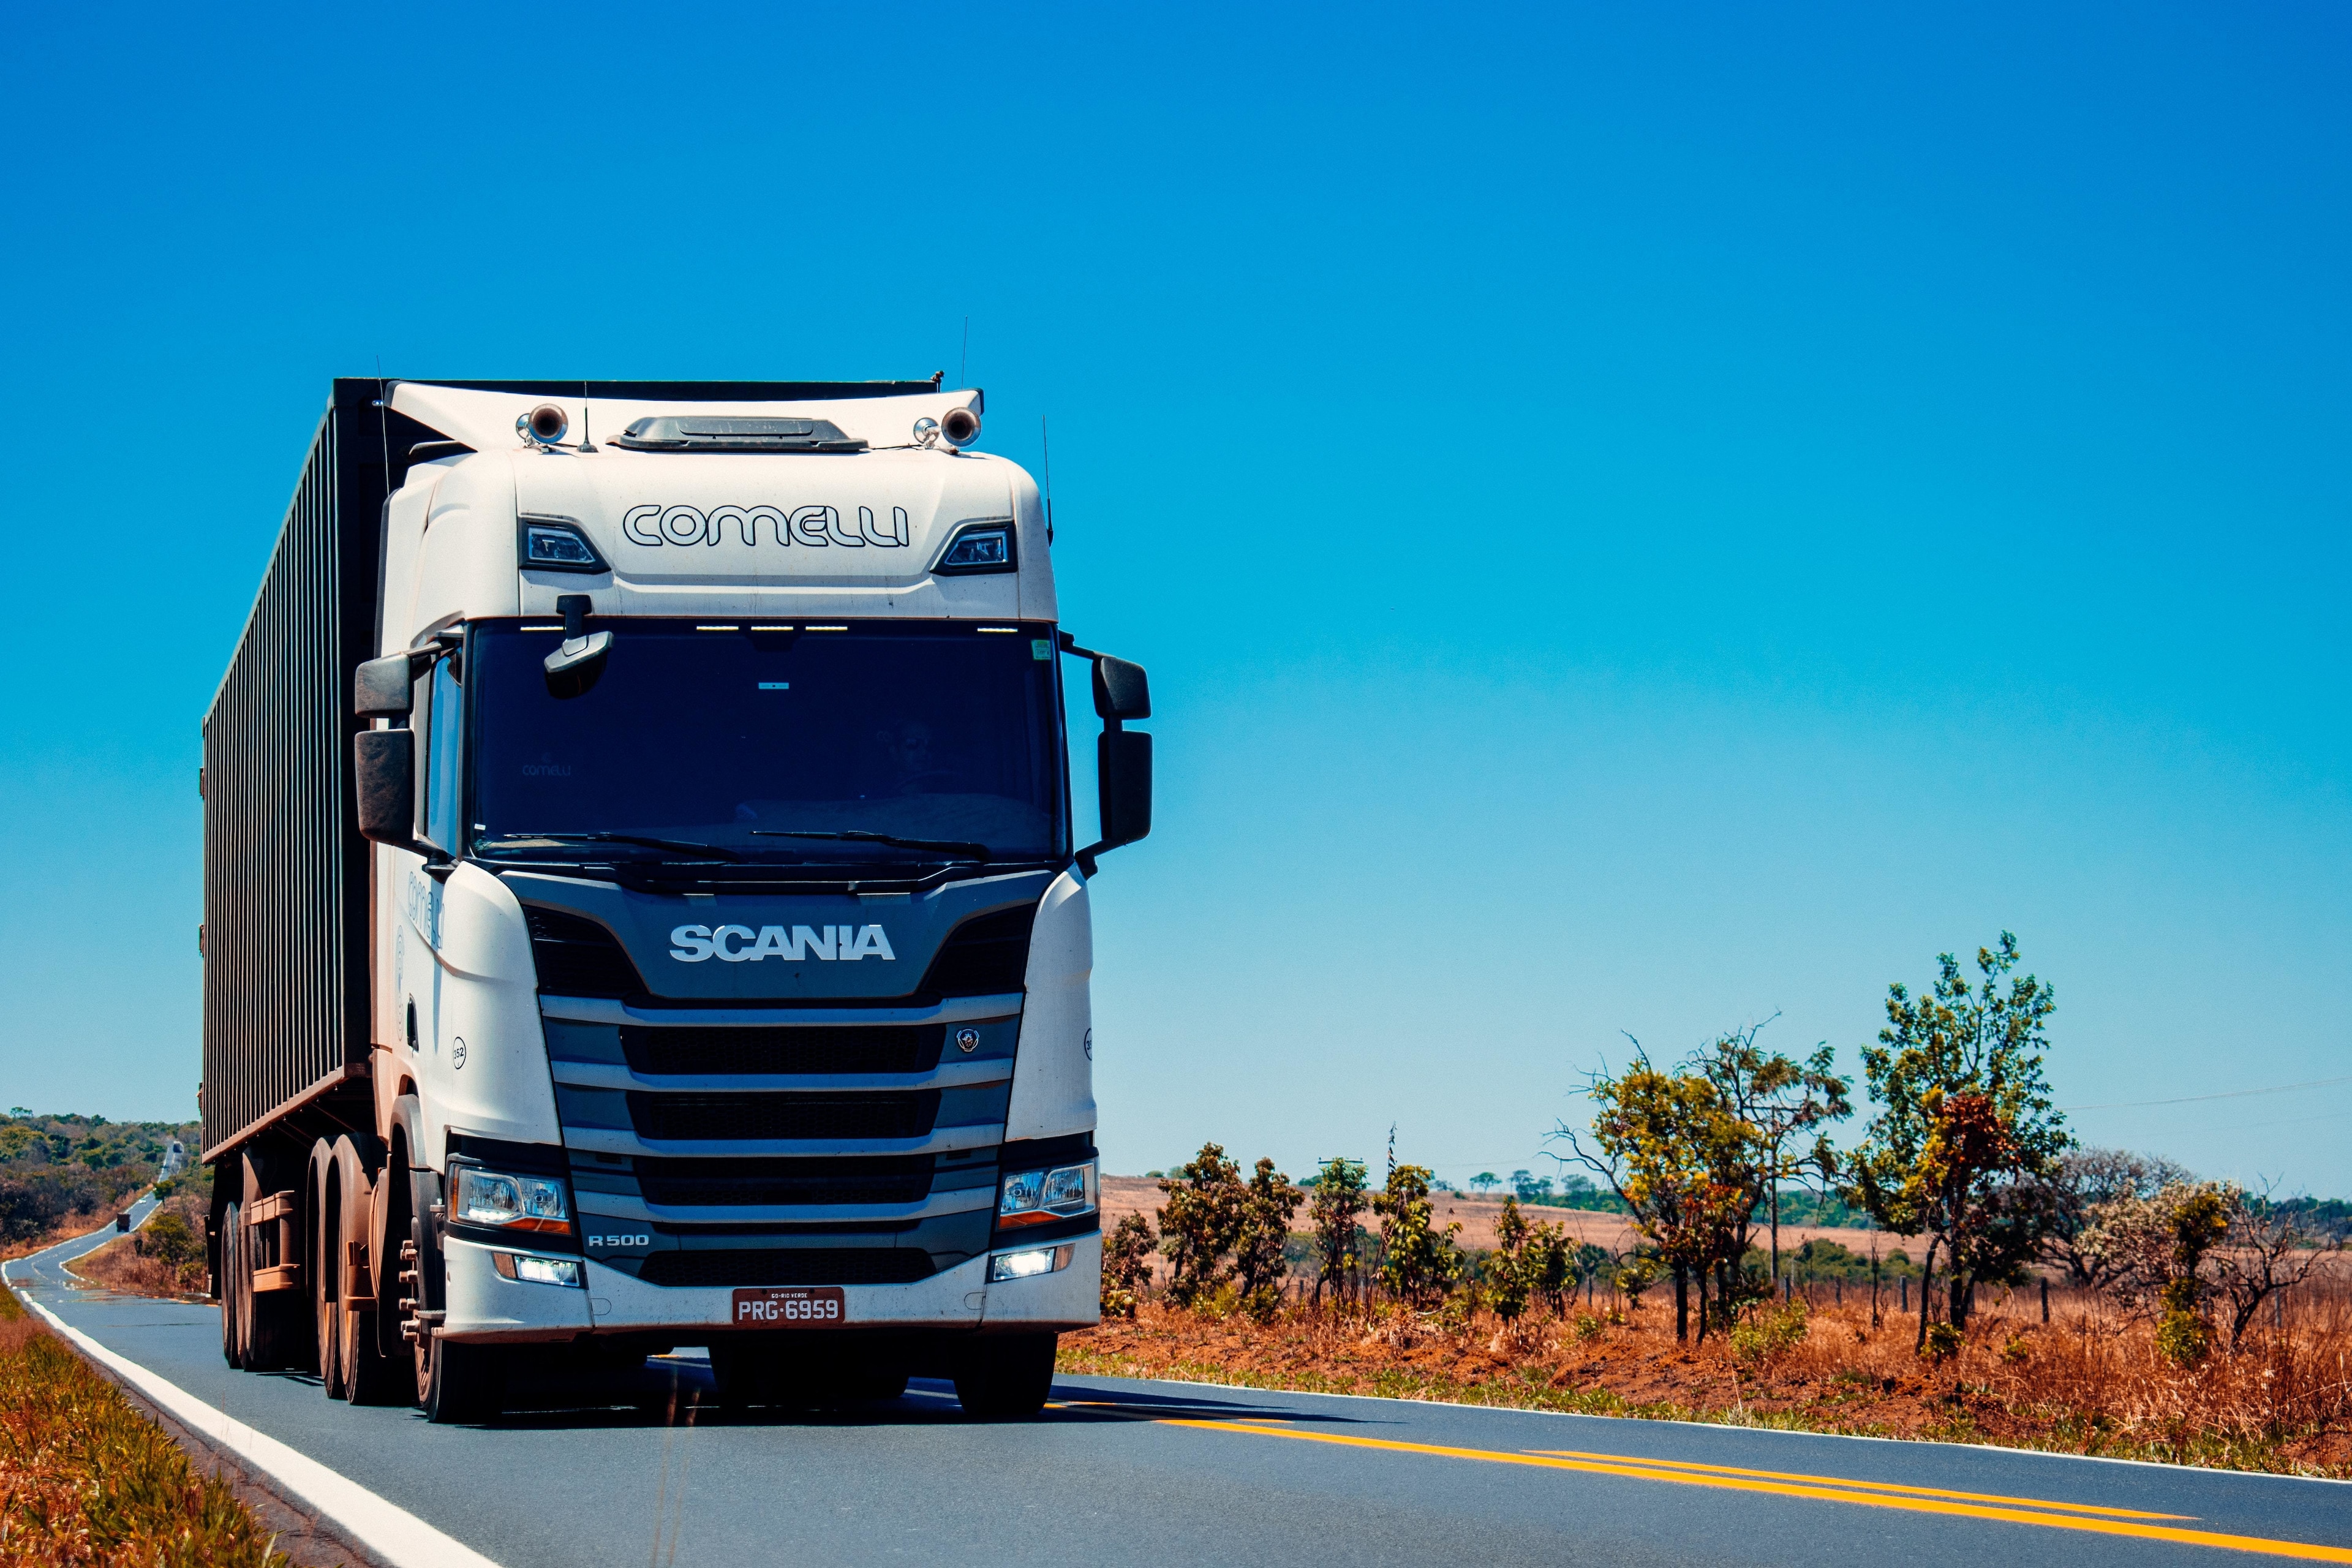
{"x": 641, "y": 906}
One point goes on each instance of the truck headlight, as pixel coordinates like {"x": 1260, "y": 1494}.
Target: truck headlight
{"x": 1028, "y": 1264}
{"x": 511, "y": 1203}
{"x": 1038, "y": 1197}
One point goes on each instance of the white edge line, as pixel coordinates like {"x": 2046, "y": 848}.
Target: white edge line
{"x": 1924, "y": 1443}
{"x": 392, "y": 1533}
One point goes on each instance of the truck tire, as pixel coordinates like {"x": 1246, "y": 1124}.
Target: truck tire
{"x": 323, "y": 1237}
{"x": 232, "y": 1253}
{"x": 366, "y": 1375}
{"x": 466, "y": 1383}
{"x": 274, "y": 1325}
{"x": 1005, "y": 1377}
{"x": 745, "y": 1373}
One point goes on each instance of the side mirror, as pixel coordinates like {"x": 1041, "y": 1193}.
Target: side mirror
{"x": 1122, "y": 757}
{"x": 381, "y": 687}
{"x": 1123, "y": 771}
{"x": 384, "y": 781}
{"x": 1121, "y": 690}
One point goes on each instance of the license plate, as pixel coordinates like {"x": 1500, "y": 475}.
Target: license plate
{"x": 791, "y": 1307}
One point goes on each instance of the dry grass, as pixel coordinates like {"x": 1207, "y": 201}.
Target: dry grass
{"x": 85, "y": 1479}
{"x": 2088, "y": 1383}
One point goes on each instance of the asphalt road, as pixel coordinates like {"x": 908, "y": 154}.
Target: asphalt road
{"x": 629, "y": 1471}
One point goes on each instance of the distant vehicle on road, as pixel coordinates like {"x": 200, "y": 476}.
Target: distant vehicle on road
{"x": 641, "y": 906}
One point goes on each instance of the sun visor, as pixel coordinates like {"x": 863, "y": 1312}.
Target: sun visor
{"x": 485, "y": 421}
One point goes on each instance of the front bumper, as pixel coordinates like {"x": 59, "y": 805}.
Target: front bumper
{"x": 484, "y": 1307}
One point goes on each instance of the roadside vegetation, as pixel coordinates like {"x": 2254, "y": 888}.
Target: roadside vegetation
{"x": 64, "y": 1175}
{"x": 2029, "y": 1292}
{"x": 85, "y": 1479}
{"x": 164, "y": 1256}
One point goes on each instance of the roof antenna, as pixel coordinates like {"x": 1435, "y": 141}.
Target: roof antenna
{"x": 963, "y": 375}
{"x": 585, "y": 444}
{"x": 1046, "y": 441}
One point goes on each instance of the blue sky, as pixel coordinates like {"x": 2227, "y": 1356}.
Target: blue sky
{"x": 1638, "y": 519}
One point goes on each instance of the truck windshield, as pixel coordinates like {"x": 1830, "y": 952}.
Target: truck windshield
{"x": 891, "y": 742}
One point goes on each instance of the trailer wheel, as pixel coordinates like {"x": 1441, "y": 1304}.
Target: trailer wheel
{"x": 323, "y": 1235}
{"x": 274, "y": 1326}
{"x": 1005, "y": 1377}
{"x": 366, "y": 1375}
{"x": 231, "y": 1258}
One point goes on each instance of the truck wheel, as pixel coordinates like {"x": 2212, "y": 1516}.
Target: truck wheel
{"x": 466, "y": 1383}
{"x": 1005, "y": 1377}
{"x": 324, "y": 1237}
{"x": 232, "y": 1254}
{"x": 745, "y": 1374}
{"x": 367, "y": 1375}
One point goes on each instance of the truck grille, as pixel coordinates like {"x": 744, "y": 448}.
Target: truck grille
{"x": 790, "y": 1266}
{"x": 745, "y": 1117}
{"x": 577, "y": 957}
{"x": 706, "y": 1183}
{"x": 865, "y": 1047}
{"x": 987, "y": 956}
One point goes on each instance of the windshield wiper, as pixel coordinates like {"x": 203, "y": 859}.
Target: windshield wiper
{"x": 516, "y": 841}
{"x": 968, "y": 850}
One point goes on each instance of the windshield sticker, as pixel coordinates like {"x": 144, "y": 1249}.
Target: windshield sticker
{"x": 1040, "y": 648}
{"x": 813, "y": 525}
{"x": 775, "y": 686}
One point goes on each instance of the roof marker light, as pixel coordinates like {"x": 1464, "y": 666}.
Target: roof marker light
{"x": 718, "y": 628}
{"x": 825, "y": 628}
{"x": 996, "y": 628}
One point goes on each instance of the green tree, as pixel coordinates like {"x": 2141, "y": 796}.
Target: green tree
{"x": 1551, "y": 1265}
{"x": 1964, "y": 1111}
{"x": 1508, "y": 1285}
{"x": 1337, "y": 1205}
{"x": 1199, "y": 1223}
{"x": 1418, "y": 1261}
{"x": 1787, "y": 1105}
{"x": 1484, "y": 1181}
{"x": 1672, "y": 1151}
{"x": 1126, "y": 1266}
{"x": 1268, "y": 1204}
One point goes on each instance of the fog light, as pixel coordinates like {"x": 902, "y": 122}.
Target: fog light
{"x": 1028, "y": 1264}
{"x": 529, "y": 1271}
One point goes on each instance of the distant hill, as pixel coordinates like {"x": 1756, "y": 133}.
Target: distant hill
{"x": 53, "y": 1168}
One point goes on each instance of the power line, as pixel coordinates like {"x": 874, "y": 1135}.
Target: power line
{"x": 2193, "y": 1098}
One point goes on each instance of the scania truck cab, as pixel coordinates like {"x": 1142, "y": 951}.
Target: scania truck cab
{"x": 726, "y": 948}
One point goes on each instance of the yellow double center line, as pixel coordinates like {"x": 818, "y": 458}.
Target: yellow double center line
{"x": 2049, "y": 1515}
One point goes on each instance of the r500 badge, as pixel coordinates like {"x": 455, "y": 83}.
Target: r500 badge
{"x": 791, "y": 1307}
